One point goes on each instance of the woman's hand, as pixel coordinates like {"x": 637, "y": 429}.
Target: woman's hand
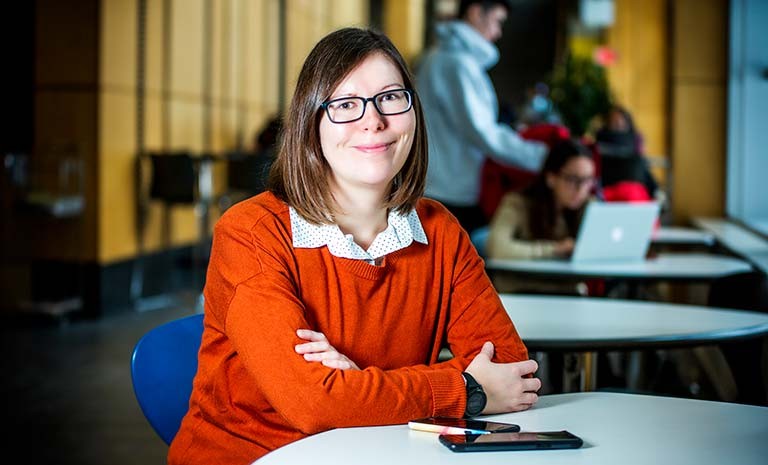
{"x": 507, "y": 385}
{"x": 320, "y": 350}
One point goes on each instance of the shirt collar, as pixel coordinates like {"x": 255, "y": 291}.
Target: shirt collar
{"x": 401, "y": 231}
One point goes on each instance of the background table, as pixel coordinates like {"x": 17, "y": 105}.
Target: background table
{"x": 674, "y": 235}
{"x": 588, "y": 325}
{"x": 664, "y": 236}
{"x": 683, "y": 266}
{"x": 738, "y": 239}
{"x": 622, "y": 429}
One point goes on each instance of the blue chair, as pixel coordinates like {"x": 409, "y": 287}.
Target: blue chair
{"x": 163, "y": 364}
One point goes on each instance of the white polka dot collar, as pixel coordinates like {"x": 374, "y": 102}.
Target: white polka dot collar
{"x": 401, "y": 231}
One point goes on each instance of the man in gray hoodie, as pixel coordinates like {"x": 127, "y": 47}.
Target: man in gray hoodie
{"x": 461, "y": 109}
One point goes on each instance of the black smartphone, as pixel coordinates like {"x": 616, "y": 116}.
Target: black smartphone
{"x": 526, "y": 440}
{"x": 461, "y": 426}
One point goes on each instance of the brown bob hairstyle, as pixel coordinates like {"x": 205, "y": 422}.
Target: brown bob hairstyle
{"x": 300, "y": 173}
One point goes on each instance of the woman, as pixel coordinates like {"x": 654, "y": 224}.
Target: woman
{"x": 543, "y": 221}
{"x": 329, "y": 298}
{"x": 622, "y": 155}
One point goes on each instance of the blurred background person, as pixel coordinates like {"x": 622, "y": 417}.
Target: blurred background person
{"x": 462, "y": 110}
{"x": 622, "y": 155}
{"x": 543, "y": 220}
{"x": 538, "y": 108}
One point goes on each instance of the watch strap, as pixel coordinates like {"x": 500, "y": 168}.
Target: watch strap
{"x": 476, "y": 397}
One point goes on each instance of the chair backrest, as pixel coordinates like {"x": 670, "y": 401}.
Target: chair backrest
{"x": 163, "y": 365}
{"x": 174, "y": 178}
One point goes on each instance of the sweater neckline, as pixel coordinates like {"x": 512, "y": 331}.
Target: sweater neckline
{"x": 365, "y": 270}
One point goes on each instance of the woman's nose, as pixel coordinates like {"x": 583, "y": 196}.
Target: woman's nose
{"x": 372, "y": 119}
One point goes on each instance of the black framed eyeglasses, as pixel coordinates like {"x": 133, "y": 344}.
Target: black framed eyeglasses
{"x": 387, "y": 103}
{"x": 577, "y": 182}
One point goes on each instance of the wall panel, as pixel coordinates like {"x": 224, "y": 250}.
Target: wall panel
{"x": 186, "y": 48}
{"x": 117, "y": 63}
{"x": 154, "y": 45}
{"x": 639, "y": 78}
{"x": 117, "y": 155}
{"x": 698, "y": 107}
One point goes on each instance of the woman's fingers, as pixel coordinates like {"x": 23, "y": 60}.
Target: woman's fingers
{"x": 320, "y": 356}
{"x": 331, "y": 359}
{"x": 310, "y": 335}
{"x": 320, "y": 350}
{"x": 309, "y": 347}
{"x": 338, "y": 364}
{"x": 529, "y": 398}
{"x": 531, "y": 384}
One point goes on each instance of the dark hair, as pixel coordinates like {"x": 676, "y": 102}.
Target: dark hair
{"x": 542, "y": 214}
{"x": 486, "y": 4}
{"x": 624, "y": 112}
{"x": 300, "y": 174}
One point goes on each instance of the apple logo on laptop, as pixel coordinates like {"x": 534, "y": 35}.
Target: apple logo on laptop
{"x": 617, "y": 233}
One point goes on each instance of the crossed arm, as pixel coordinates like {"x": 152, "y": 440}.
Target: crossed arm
{"x": 510, "y": 387}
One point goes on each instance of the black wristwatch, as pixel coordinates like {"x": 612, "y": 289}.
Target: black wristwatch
{"x": 476, "y": 397}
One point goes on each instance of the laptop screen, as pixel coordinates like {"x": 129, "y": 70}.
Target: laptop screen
{"x": 615, "y": 231}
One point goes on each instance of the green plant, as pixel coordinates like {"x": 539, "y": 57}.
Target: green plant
{"x": 579, "y": 91}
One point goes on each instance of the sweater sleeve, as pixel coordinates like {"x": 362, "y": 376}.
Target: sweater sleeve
{"x": 477, "y": 314}
{"x": 262, "y": 312}
{"x": 504, "y": 238}
{"x": 477, "y": 119}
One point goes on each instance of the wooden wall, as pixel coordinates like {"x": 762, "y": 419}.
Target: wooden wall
{"x": 211, "y": 80}
{"x": 671, "y": 74}
{"x": 65, "y": 100}
{"x": 639, "y": 76}
{"x": 212, "y": 72}
{"x": 404, "y": 23}
{"x": 698, "y": 113}
{"x": 209, "y": 87}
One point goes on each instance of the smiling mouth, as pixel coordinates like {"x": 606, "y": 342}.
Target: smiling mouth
{"x": 373, "y": 148}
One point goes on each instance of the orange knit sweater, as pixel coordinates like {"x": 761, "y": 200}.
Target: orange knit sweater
{"x": 253, "y": 393}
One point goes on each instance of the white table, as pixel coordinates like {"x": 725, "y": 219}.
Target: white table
{"x": 738, "y": 240}
{"x": 682, "y": 266}
{"x": 548, "y": 323}
{"x": 760, "y": 260}
{"x": 587, "y": 325}
{"x": 733, "y": 236}
{"x": 622, "y": 429}
{"x": 673, "y": 235}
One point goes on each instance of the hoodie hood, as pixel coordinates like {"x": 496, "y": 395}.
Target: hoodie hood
{"x": 458, "y": 36}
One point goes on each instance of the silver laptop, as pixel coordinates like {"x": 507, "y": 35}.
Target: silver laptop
{"x": 615, "y": 231}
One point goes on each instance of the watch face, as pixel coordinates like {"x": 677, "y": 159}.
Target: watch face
{"x": 476, "y": 402}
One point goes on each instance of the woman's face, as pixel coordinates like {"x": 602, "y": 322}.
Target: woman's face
{"x": 572, "y": 186}
{"x": 618, "y": 122}
{"x": 369, "y": 152}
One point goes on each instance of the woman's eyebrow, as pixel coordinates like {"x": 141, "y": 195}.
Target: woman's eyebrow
{"x": 396, "y": 85}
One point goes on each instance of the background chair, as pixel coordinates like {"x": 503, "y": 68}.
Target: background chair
{"x": 175, "y": 179}
{"x": 163, "y": 366}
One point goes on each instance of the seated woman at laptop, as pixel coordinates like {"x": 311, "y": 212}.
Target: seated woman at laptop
{"x": 543, "y": 220}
